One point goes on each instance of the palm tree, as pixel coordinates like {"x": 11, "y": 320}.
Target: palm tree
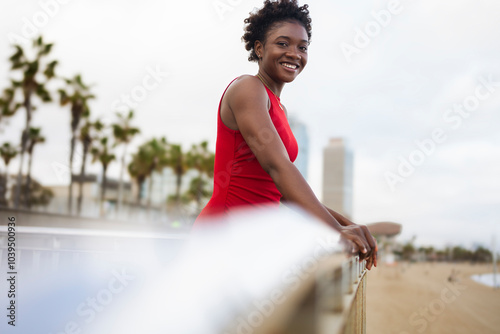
{"x": 7, "y": 152}
{"x": 37, "y": 194}
{"x": 8, "y": 105}
{"x": 138, "y": 170}
{"x": 88, "y": 132}
{"x": 30, "y": 86}
{"x": 123, "y": 133}
{"x": 197, "y": 191}
{"x": 155, "y": 153}
{"x": 150, "y": 157}
{"x": 102, "y": 153}
{"x": 76, "y": 95}
{"x": 201, "y": 159}
{"x": 34, "y": 138}
{"x": 179, "y": 165}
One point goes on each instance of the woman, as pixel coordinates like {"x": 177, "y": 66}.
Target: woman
{"x": 255, "y": 147}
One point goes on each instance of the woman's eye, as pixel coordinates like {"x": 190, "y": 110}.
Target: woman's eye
{"x": 303, "y": 48}
{"x": 282, "y": 43}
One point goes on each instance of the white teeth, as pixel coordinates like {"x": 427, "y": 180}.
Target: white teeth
{"x": 289, "y": 66}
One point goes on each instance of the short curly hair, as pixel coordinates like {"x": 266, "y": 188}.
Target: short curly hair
{"x": 258, "y": 24}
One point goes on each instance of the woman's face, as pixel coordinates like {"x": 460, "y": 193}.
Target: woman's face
{"x": 284, "y": 54}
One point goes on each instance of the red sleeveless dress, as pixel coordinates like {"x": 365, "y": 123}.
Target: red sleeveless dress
{"x": 239, "y": 179}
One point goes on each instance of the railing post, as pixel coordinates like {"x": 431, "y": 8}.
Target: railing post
{"x": 338, "y": 304}
{"x": 349, "y": 276}
{"x": 355, "y": 272}
{"x": 363, "y": 319}
{"x": 331, "y": 291}
{"x": 361, "y": 267}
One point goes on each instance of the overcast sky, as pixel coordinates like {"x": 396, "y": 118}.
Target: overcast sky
{"x": 384, "y": 75}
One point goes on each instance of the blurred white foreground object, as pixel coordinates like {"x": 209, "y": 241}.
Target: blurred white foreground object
{"x": 229, "y": 278}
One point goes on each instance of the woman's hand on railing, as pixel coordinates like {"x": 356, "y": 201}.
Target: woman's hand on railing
{"x": 372, "y": 259}
{"x": 364, "y": 243}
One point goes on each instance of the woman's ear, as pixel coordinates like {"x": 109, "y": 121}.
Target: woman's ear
{"x": 258, "y": 47}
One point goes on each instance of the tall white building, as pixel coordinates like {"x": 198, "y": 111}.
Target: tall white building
{"x": 338, "y": 177}
{"x": 299, "y": 130}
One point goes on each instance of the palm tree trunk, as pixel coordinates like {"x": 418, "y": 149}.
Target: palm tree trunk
{"x": 120, "y": 184}
{"x": 28, "y": 180}
{"x": 150, "y": 190}
{"x": 24, "y": 141}
{"x": 198, "y": 191}
{"x": 3, "y": 195}
{"x": 103, "y": 188}
{"x": 82, "y": 176}
{"x": 138, "y": 198}
{"x": 70, "y": 188}
{"x": 163, "y": 203}
{"x": 140, "y": 182}
{"x": 178, "y": 187}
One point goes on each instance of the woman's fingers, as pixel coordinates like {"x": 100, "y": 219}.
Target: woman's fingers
{"x": 374, "y": 251}
{"x": 369, "y": 262}
{"x": 363, "y": 243}
{"x": 372, "y": 259}
{"x": 372, "y": 243}
{"x": 360, "y": 245}
{"x": 369, "y": 238}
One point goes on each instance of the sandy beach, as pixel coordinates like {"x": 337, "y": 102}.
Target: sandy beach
{"x": 418, "y": 298}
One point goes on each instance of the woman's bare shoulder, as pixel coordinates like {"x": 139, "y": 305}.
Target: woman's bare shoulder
{"x": 247, "y": 86}
{"x": 247, "y": 77}
{"x": 244, "y": 93}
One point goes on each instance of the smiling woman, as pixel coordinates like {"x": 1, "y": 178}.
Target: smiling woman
{"x": 255, "y": 146}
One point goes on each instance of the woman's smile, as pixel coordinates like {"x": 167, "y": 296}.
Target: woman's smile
{"x": 290, "y": 67}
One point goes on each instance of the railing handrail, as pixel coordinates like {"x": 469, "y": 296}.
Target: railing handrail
{"x": 250, "y": 256}
{"x": 332, "y": 309}
{"x": 104, "y": 233}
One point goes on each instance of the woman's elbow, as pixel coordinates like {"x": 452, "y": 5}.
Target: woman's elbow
{"x": 279, "y": 170}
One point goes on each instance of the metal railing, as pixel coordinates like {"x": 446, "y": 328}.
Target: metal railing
{"x": 332, "y": 302}
{"x": 330, "y": 299}
{"x": 50, "y": 247}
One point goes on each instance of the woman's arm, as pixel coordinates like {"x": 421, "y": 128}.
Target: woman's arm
{"x": 341, "y": 219}
{"x": 248, "y": 103}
